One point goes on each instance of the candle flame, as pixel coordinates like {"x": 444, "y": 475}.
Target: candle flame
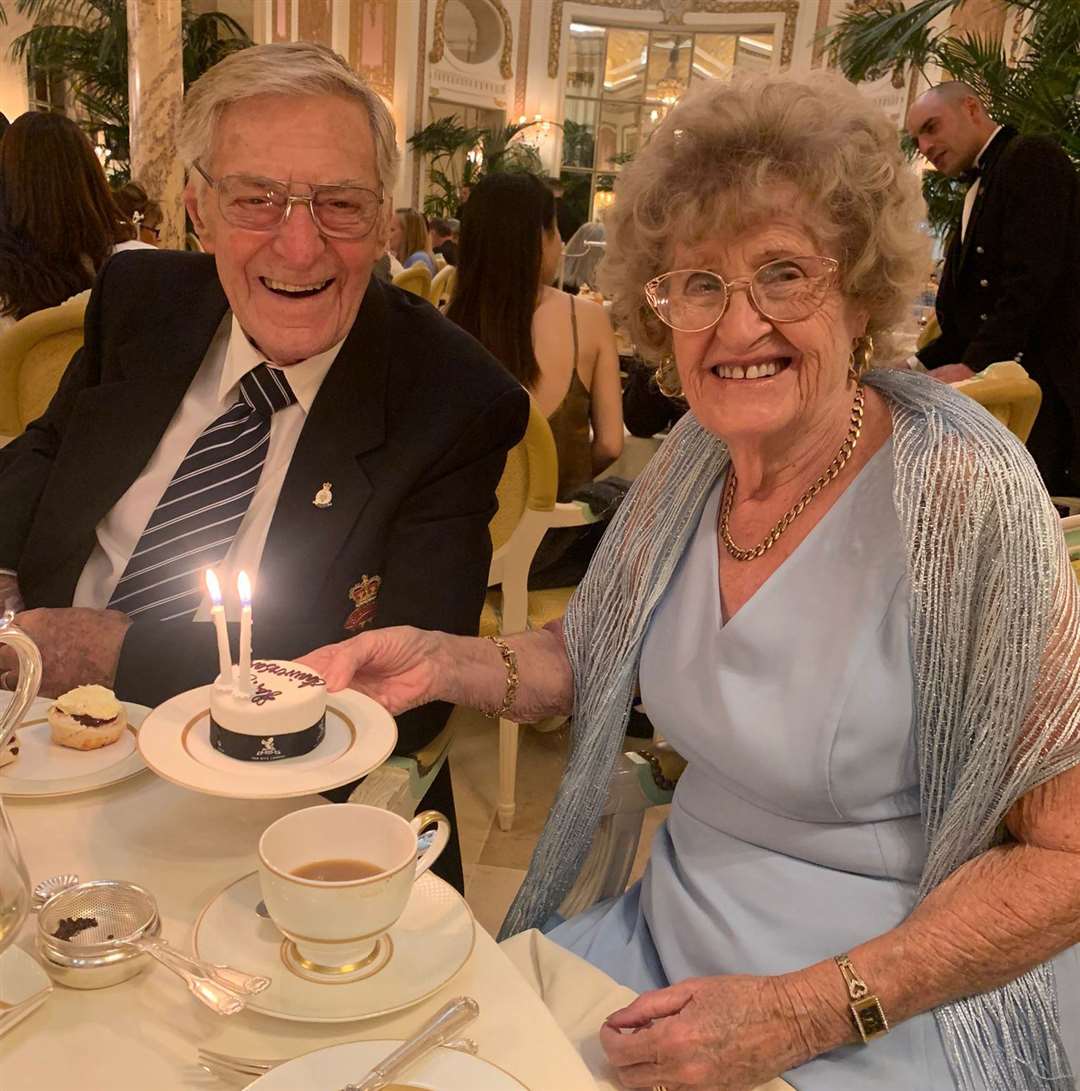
{"x": 243, "y": 586}
{"x": 213, "y": 586}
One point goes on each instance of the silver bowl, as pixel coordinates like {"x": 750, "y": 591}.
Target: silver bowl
{"x": 97, "y": 956}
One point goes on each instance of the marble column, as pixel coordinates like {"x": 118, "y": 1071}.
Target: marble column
{"x": 155, "y": 94}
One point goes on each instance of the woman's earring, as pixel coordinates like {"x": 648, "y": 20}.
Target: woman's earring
{"x": 667, "y": 378}
{"x": 860, "y": 358}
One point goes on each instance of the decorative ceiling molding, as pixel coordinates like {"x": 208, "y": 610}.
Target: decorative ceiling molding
{"x": 524, "y": 28}
{"x": 678, "y": 9}
{"x": 438, "y": 43}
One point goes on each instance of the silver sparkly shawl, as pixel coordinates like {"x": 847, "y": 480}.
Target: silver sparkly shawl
{"x": 995, "y": 628}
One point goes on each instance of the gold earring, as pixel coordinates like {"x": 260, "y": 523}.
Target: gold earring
{"x": 667, "y": 378}
{"x": 860, "y": 358}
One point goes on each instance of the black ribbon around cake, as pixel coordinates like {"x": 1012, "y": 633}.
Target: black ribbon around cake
{"x": 236, "y": 744}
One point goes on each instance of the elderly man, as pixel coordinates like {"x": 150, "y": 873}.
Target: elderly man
{"x": 268, "y": 406}
{"x": 1008, "y": 290}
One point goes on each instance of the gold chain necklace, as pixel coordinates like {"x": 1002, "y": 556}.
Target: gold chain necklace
{"x": 792, "y": 514}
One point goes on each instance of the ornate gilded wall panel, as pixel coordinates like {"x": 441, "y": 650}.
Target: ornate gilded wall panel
{"x": 315, "y": 22}
{"x": 438, "y": 42}
{"x": 674, "y": 11}
{"x": 524, "y": 27}
{"x": 372, "y": 40}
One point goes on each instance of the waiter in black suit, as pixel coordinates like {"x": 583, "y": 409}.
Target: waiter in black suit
{"x": 271, "y": 408}
{"x": 1008, "y": 290}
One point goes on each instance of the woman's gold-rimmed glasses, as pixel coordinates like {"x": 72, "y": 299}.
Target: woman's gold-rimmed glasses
{"x": 261, "y": 204}
{"x": 784, "y": 290}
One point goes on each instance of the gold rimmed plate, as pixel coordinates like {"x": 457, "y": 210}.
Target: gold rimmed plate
{"x": 441, "y": 1070}
{"x": 44, "y": 769}
{"x": 431, "y": 941}
{"x": 175, "y": 743}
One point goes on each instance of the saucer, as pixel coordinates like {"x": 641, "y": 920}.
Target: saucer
{"x": 441, "y": 1070}
{"x": 45, "y": 769}
{"x": 430, "y": 942}
{"x": 175, "y": 743}
{"x": 20, "y": 978}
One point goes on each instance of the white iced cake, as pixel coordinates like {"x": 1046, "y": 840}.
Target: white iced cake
{"x": 284, "y": 716}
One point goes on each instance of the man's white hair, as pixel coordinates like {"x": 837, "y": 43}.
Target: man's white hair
{"x": 283, "y": 68}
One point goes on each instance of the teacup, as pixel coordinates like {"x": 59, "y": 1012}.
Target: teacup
{"x": 335, "y": 925}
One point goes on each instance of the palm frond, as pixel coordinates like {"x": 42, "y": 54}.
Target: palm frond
{"x": 873, "y": 40}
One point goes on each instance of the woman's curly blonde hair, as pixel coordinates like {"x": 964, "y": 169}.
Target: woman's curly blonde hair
{"x": 713, "y": 167}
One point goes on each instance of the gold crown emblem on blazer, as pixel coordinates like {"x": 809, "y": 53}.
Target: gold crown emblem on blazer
{"x": 363, "y": 596}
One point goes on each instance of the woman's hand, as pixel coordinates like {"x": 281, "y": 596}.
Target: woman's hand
{"x": 728, "y": 1033}
{"x": 396, "y": 666}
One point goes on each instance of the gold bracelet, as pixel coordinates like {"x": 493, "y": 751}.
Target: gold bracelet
{"x": 509, "y": 657}
{"x": 865, "y": 1008}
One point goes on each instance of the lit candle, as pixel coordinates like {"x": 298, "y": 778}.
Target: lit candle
{"x": 243, "y": 585}
{"x": 217, "y": 615}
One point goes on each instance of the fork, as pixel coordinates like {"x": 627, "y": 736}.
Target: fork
{"x": 228, "y": 1064}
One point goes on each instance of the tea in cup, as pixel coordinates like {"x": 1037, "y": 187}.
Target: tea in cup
{"x": 336, "y": 877}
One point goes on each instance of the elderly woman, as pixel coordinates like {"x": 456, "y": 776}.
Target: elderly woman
{"x": 845, "y": 599}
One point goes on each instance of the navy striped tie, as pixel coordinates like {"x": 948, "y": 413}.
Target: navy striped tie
{"x": 200, "y": 512}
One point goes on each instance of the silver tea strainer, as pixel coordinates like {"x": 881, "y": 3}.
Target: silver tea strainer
{"x": 95, "y": 934}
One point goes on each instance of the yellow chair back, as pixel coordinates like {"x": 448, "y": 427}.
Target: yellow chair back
{"x": 415, "y": 279}
{"x": 529, "y": 481}
{"x": 442, "y": 287}
{"x": 930, "y": 332}
{"x": 1009, "y": 393}
{"x": 34, "y": 354}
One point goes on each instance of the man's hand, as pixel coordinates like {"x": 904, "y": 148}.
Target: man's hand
{"x": 78, "y": 647}
{"x": 728, "y": 1033}
{"x": 951, "y": 373}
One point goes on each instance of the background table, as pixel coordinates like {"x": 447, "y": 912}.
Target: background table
{"x": 143, "y": 1033}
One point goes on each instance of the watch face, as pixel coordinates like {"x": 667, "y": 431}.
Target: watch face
{"x": 870, "y": 1018}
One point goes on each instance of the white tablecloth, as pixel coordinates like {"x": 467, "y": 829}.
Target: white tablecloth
{"x": 141, "y": 1035}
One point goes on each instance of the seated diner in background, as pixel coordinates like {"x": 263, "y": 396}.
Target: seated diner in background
{"x": 409, "y": 241}
{"x": 561, "y": 349}
{"x": 846, "y": 599}
{"x": 141, "y": 212}
{"x": 58, "y": 219}
{"x": 219, "y": 394}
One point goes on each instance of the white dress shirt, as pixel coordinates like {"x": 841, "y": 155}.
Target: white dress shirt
{"x": 973, "y": 189}
{"x": 215, "y": 388}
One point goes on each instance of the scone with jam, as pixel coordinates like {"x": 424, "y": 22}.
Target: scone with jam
{"x": 87, "y": 717}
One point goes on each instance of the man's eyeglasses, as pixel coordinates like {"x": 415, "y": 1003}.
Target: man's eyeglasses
{"x": 785, "y": 290}
{"x": 261, "y": 204}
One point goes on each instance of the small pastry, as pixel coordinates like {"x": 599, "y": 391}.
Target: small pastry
{"x": 9, "y": 752}
{"x": 87, "y": 717}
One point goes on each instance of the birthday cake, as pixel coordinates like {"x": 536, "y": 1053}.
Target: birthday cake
{"x": 283, "y": 716}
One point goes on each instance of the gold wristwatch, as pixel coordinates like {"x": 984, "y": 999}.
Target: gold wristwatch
{"x": 865, "y": 1008}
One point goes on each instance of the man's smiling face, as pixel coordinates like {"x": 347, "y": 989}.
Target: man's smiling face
{"x": 294, "y": 291}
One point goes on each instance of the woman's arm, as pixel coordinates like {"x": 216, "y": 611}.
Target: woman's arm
{"x": 605, "y": 390}
{"x": 1010, "y": 909}
{"x": 402, "y": 667}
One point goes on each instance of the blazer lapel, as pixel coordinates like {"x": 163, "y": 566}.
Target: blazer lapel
{"x": 986, "y": 176}
{"x": 347, "y": 418}
{"x": 113, "y": 431}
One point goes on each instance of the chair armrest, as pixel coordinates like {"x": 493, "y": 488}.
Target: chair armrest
{"x": 390, "y": 787}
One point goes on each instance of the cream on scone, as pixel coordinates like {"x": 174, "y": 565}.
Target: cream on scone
{"x": 87, "y": 717}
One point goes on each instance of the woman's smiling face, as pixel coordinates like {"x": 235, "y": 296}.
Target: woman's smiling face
{"x": 805, "y": 363}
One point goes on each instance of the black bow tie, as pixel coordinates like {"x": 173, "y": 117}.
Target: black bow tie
{"x": 971, "y": 174}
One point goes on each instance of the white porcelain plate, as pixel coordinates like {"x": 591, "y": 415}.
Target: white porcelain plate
{"x": 335, "y": 1066}
{"x": 175, "y": 743}
{"x": 20, "y": 979}
{"x": 431, "y": 941}
{"x": 45, "y": 769}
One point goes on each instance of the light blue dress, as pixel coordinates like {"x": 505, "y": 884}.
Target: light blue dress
{"x": 794, "y": 833}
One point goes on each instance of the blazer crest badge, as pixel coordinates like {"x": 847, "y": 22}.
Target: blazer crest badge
{"x": 363, "y": 596}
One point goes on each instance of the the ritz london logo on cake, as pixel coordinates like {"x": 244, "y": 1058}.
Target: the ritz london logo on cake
{"x": 269, "y": 749}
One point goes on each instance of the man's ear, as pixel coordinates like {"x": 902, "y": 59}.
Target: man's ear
{"x": 202, "y": 229}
